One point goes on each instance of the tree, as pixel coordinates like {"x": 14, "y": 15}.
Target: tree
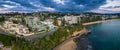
{"x": 98, "y": 18}
{"x": 55, "y": 22}
{"x": 63, "y": 22}
{"x": 2, "y": 18}
{"x": 23, "y": 21}
{"x": 16, "y": 21}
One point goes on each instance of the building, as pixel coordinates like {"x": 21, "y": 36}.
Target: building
{"x": 35, "y": 24}
{"x": 49, "y": 23}
{"x": 59, "y": 21}
{"x": 114, "y": 16}
{"x": 13, "y": 18}
{"x": 72, "y": 19}
{"x": 16, "y": 28}
{"x": 30, "y": 21}
{"x": 79, "y": 18}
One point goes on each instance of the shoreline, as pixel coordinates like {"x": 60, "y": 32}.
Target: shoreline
{"x": 95, "y": 22}
{"x": 70, "y": 44}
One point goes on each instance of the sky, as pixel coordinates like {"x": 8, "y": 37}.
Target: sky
{"x": 98, "y": 6}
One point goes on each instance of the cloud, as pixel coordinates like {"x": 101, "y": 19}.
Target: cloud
{"x": 104, "y": 11}
{"x": 111, "y": 6}
{"x": 49, "y": 9}
{"x": 59, "y": 1}
{"x": 51, "y": 5}
{"x": 1, "y": 9}
{"x": 8, "y": 6}
{"x": 111, "y": 3}
{"x": 73, "y": 5}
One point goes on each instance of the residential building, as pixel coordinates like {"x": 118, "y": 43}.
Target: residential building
{"x": 16, "y": 28}
{"x": 35, "y": 24}
{"x": 49, "y": 23}
{"x": 72, "y": 19}
{"x": 59, "y": 21}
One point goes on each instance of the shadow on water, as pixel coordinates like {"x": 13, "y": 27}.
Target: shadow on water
{"x": 104, "y": 36}
{"x": 83, "y": 43}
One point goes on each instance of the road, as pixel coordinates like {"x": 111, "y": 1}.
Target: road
{"x": 33, "y": 37}
{"x": 39, "y": 35}
{"x": 3, "y": 32}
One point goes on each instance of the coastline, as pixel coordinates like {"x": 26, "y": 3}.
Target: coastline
{"x": 95, "y": 22}
{"x": 70, "y": 44}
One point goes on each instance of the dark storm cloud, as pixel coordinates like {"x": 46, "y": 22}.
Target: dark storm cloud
{"x": 68, "y": 6}
{"x": 74, "y": 5}
{"x": 25, "y": 3}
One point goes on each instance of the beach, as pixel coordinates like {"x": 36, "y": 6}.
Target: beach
{"x": 70, "y": 44}
{"x": 90, "y": 23}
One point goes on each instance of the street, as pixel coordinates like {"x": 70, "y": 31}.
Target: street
{"x": 39, "y": 35}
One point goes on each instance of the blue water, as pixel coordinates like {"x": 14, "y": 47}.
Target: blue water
{"x": 105, "y": 36}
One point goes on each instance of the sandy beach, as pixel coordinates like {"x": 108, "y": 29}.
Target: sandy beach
{"x": 67, "y": 45}
{"x": 90, "y": 23}
{"x": 70, "y": 44}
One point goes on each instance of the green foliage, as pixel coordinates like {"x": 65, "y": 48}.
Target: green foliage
{"x": 96, "y": 18}
{"x": 48, "y": 42}
{"x": 30, "y": 28}
{"x": 23, "y": 21}
{"x": 90, "y": 19}
{"x": 16, "y": 21}
{"x": 59, "y": 36}
{"x": 2, "y": 18}
{"x": 6, "y": 40}
{"x": 55, "y": 22}
{"x": 63, "y": 22}
{"x": 86, "y": 19}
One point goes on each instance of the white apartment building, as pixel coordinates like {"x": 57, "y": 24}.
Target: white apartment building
{"x": 72, "y": 19}
{"x": 35, "y": 24}
{"x": 49, "y": 23}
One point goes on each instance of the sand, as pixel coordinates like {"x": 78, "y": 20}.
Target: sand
{"x": 68, "y": 45}
{"x": 90, "y": 23}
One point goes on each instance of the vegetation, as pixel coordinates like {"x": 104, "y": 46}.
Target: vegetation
{"x": 23, "y": 21}
{"x": 6, "y": 40}
{"x": 16, "y": 21}
{"x": 55, "y": 22}
{"x": 63, "y": 22}
{"x": 90, "y": 19}
{"x": 2, "y": 18}
{"x": 48, "y": 42}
